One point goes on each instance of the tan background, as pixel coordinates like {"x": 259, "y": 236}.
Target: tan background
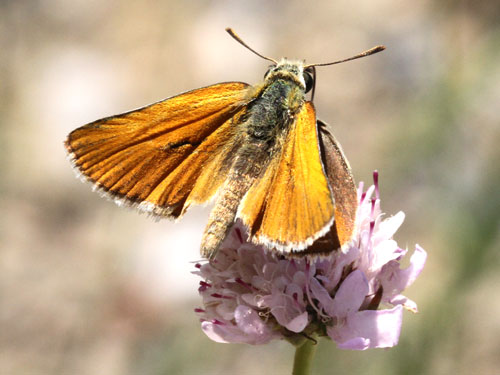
{"x": 89, "y": 288}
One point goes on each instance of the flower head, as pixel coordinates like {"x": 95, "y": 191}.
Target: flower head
{"x": 253, "y": 295}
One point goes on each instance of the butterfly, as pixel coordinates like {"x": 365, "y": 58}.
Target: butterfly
{"x": 258, "y": 152}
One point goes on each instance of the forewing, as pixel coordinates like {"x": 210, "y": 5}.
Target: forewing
{"x": 291, "y": 205}
{"x": 157, "y": 156}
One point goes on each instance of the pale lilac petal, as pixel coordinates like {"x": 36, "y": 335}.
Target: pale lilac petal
{"x": 417, "y": 263}
{"x": 331, "y": 269}
{"x": 350, "y": 295}
{"x": 407, "y": 303}
{"x": 381, "y": 254}
{"x": 389, "y": 226}
{"x": 295, "y": 292}
{"x": 232, "y": 334}
{"x": 385, "y": 252}
{"x": 379, "y": 329}
{"x": 365, "y": 204}
{"x": 226, "y": 310}
{"x": 251, "y": 299}
{"x": 259, "y": 282}
{"x": 357, "y": 343}
{"x": 299, "y": 278}
{"x": 322, "y": 295}
{"x": 249, "y": 322}
{"x": 234, "y": 239}
{"x": 284, "y": 309}
{"x": 394, "y": 279}
{"x": 298, "y": 323}
{"x": 214, "y": 332}
{"x": 280, "y": 283}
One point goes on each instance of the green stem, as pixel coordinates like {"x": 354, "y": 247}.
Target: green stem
{"x": 304, "y": 355}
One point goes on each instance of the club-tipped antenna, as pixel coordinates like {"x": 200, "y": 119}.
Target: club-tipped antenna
{"x": 369, "y": 52}
{"x": 239, "y": 40}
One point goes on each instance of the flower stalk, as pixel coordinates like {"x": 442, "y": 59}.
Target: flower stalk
{"x": 304, "y": 355}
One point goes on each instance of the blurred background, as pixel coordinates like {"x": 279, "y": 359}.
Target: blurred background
{"x": 90, "y": 288}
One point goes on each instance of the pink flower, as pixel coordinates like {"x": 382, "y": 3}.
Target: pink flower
{"x": 252, "y": 295}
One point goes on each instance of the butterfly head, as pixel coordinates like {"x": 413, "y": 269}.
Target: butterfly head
{"x": 297, "y": 71}
{"x": 292, "y": 70}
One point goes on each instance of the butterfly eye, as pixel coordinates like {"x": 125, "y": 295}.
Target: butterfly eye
{"x": 309, "y": 80}
{"x": 268, "y": 71}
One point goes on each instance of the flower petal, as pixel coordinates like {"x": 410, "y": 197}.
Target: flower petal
{"x": 417, "y": 263}
{"x": 298, "y": 323}
{"x": 389, "y": 226}
{"x": 250, "y": 323}
{"x": 369, "y": 329}
{"x": 394, "y": 279}
{"x": 215, "y": 332}
{"x": 285, "y": 310}
{"x": 350, "y": 295}
{"x": 407, "y": 303}
{"x": 322, "y": 295}
{"x": 357, "y": 343}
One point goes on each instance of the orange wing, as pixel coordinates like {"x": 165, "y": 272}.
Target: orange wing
{"x": 164, "y": 156}
{"x": 291, "y": 205}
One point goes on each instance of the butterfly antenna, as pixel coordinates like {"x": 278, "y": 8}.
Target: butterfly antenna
{"x": 362, "y": 54}
{"x": 239, "y": 40}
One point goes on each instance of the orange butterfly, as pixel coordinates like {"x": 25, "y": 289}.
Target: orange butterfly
{"x": 259, "y": 152}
